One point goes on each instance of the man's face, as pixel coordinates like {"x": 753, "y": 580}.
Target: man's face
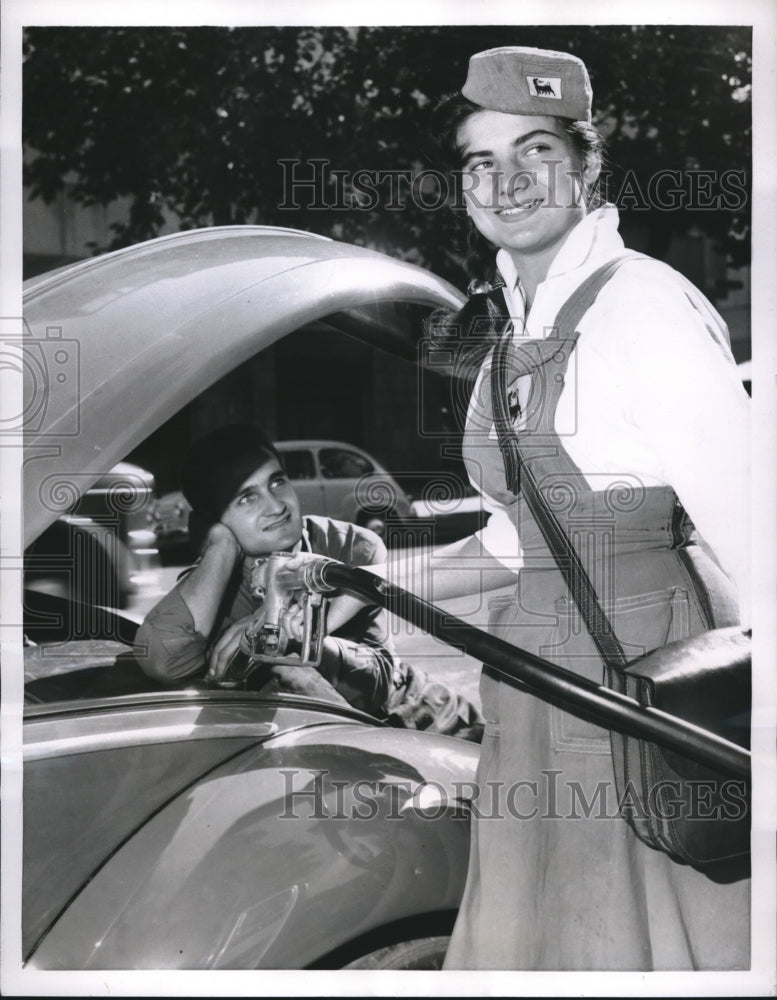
{"x": 264, "y": 514}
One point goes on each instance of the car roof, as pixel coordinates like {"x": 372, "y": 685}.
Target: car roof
{"x": 144, "y": 330}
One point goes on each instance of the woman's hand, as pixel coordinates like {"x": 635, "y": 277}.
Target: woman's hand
{"x": 290, "y": 570}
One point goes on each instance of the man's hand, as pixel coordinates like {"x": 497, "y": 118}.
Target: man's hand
{"x": 225, "y": 648}
{"x": 291, "y": 624}
{"x": 222, "y": 537}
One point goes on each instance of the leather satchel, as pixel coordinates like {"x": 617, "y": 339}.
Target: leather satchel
{"x": 674, "y": 804}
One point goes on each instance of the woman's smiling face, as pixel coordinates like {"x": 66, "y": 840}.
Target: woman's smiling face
{"x": 523, "y": 180}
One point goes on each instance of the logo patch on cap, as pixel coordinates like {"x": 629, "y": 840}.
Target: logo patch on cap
{"x": 545, "y": 86}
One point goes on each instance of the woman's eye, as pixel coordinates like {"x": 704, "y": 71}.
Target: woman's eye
{"x": 278, "y": 482}
{"x": 535, "y": 148}
{"x": 246, "y": 499}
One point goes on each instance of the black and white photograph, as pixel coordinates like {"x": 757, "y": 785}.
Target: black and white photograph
{"x": 388, "y": 494}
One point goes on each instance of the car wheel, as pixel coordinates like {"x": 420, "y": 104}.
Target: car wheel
{"x": 421, "y": 954}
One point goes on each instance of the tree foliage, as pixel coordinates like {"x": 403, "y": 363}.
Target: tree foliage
{"x": 197, "y": 121}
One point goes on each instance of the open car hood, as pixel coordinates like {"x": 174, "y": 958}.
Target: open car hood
{"x": 118, "y": 344}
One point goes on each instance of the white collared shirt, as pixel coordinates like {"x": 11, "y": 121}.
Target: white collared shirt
{"x": 652, "y": 390}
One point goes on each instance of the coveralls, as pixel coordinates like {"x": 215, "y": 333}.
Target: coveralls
{"x": 557, "y": 880}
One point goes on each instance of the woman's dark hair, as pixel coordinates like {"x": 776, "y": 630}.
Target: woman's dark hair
{"x": 449, "y": 114}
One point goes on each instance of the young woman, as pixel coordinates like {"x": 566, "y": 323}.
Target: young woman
{"x": 638, "y": 427}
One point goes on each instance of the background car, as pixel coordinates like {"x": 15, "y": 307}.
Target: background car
{"x": 101, "y": 550}
{"x": 345, "y": 482}
{"x": 169, "y": 520}
{"x": 192, "y": 827}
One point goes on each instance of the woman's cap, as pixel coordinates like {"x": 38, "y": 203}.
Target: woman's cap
{"x": 526, "y": 81}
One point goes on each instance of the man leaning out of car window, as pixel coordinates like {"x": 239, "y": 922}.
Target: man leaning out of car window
{"x": 244, "y": 507}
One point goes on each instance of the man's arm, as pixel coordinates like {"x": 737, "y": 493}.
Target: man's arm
{"x": 172, "y": 641}
{"x": 203, "y": 588}
{"x": 359, "y": 671}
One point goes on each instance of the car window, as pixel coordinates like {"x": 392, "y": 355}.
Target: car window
{"x": 337, "y": 463}
{"x": 299, "y": 464}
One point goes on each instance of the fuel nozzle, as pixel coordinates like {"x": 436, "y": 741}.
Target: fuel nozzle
{"x": 277, "y": 600}
{"x": 276, "y": 586}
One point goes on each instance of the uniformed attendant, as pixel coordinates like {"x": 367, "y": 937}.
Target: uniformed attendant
{"x": 640, "y": 429}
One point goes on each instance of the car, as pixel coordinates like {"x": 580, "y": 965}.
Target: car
{"x": 331, "y": 478}
{"x": 208, "y": 829}
{"x": 342, "y": 481}
{"x": 102, "y": 549}
{"x": 191, "y": 826}
{"x": 169, "y": 520}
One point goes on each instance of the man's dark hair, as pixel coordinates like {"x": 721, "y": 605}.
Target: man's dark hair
{"x": 218, "y": 463}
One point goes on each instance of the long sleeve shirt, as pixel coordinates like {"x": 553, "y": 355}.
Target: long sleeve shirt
{"x": 358, "y": 658}
{"x": 652, "y": 391}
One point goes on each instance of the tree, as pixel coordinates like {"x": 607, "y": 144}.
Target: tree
{"x": 212, "y": 124}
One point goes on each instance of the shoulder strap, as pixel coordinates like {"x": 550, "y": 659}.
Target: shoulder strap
{"x": 567, "y": 319}
{"x": 567, "y": 558}
{"x": 584, "y": 296}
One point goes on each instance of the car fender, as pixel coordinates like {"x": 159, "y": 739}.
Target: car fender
{"x": 245, "y": 868}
